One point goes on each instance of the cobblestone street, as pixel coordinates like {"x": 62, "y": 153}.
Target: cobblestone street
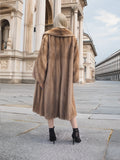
{"x": 24, "y": 134}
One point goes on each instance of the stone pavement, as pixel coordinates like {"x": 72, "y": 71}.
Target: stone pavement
{"x": 24, "y": 134}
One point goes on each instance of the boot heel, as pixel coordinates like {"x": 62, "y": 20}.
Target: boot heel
{"x": 52, "y": 136}
{"x": 76, "y": 136}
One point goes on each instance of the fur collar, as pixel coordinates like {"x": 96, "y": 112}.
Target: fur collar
{"x": 59, "y": 32}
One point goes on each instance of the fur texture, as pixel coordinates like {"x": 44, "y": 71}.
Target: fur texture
{"x": 57, "y": 67}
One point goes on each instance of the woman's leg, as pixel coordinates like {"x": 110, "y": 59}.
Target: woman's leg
{"x": 75, "y": 134}
{"x": 74, "y": 123}
{"x": 52, "y": 136}
{"x": 50, "y": 123}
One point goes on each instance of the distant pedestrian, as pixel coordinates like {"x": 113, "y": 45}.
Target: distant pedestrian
{"x": 55, "y": 70}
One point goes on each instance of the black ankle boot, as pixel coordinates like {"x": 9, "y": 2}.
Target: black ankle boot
{"x": 52, "y": 136}
{"x": 76, "y": 136}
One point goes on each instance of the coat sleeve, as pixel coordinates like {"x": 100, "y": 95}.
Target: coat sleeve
{"x": 40, "y": 65}
{"x": 76, "y": 64}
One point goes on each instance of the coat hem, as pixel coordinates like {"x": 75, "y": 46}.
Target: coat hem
{"x": 55, "y": 116}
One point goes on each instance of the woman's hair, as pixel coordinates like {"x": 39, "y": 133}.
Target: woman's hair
{"x": 60, "y": 21}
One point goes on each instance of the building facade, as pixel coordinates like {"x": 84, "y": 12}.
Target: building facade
{"x": 109, "y": 69}
{"x": 89, "y": 54}
{"x": 15, "y": 65}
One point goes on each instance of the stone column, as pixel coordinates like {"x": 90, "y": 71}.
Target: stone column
{"x": 11, "y": 30}
{"x": 75, "y": 20}
{"x": 40, "y": 22}
{"x": 88, "y": 72}
{"x": 28, "y": 26}
{"x": 9, "y": 40}
{"x": 0, "y": 37}
{"x": 17, "y": 29}
{"x": 81, "y": 49}
{"x": 6, "y": 33}
{"x": 72, "y": 21}
{"x": 57, "y": 7}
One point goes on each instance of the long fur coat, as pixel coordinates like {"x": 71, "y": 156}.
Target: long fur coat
{"x": 56, "y": 69}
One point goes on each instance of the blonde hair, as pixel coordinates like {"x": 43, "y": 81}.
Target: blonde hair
{"x": 60, "y": 21}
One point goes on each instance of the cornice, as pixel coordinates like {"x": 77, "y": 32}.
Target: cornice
{"x": 108, "y": 58}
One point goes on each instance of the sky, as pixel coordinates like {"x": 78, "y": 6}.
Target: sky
{"x": 102, "y": 23}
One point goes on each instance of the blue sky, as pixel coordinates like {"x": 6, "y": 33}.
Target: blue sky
{"x": 102, "y": 22}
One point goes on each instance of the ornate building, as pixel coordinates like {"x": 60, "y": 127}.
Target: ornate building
{"x": 16, "y": 65}
{"x": 109, "y": 69}
{"x": 89, "y": 53}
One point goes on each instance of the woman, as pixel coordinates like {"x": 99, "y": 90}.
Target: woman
{"x": 55, "y": 70}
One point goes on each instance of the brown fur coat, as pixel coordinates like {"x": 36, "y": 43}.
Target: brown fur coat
{"x": 57, "y": 67}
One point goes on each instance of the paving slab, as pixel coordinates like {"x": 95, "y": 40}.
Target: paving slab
{"x": 113, "y": 150}
{"x": 19, "y": 142}
{"x": 104, "y": 110}
{"x": 24, "y": 134}
{"x": 105, "y": 116}
{"x": 19, "y": 110}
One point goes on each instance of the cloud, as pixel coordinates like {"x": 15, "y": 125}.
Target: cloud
{"x": 115, "y": 38}
{"x": 107, "y": 31}
{"x": 113, "y": 29}
{"x": 110, "y": 24}
{"x": 107, "y": 18}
